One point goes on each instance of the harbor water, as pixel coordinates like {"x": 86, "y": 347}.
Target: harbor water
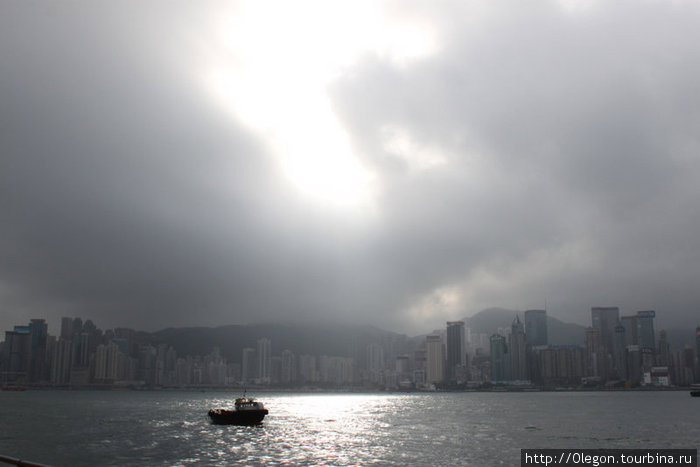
{"x": 65, "y": 428}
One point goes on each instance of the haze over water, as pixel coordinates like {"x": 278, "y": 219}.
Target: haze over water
{"x": 172, "y": 428}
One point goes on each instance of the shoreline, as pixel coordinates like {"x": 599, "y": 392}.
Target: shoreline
{"x": 343, "y": 390}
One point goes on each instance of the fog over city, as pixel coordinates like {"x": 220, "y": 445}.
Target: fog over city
{"x": 390, "y": 163}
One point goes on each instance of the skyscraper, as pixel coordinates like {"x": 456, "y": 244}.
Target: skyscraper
{"x": 61, "y": 364}
{"x": 631, "y": 329}
{"x": 593, "y": 351}
{"x": 375, "y": 363}
{"x": 456, "y": 348}
{"x": 248, "y": 365}
{"x": 16, "y": 351}
{"x": 663, "y": 352}
{"x": 289, "y": 367}
{"x": 605, "y": 319}
{"x": 498, "y": 358}
{"x": 435, "y": 358}
{"x": 645, "y": 329}
{"x": 517, "y": 351}
{"x": 264, "y": 360}
{"x": 38, "y": 366}
{"x": 620, "y": 352}
{"x": 375, "y": 357}
{"x": 66, "y": 328}
{"x": 536, "y": 327}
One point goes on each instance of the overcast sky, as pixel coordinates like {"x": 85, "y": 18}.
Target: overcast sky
{"x": 391, "y": 163}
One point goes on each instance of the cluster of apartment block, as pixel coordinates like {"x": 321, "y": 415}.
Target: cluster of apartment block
{"x": 83, "y": 355}
{"x": 617, "y": 351}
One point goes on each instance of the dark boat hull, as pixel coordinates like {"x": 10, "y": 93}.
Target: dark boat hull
{"x": 695, "y": 393}
{"x": 237, "y": 417}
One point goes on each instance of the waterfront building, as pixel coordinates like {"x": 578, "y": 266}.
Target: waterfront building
{"x": 335, "y": 370}
{"x": 658, "y": 376}
{"x": 276, "y": 369}
{"x": 66, "y": 328}
{"x": 38, "y": 366}
{"x": 420, "y": 357}
{"x": 536, "y": 327}
{"x": 456, "y": 349}
{"x": 307, "y": 368}
{"x": 16, "y": 355}
{"x": 645, "y": 329}
{"x": 375, "y": 362}
{"x": 631, "y": 329}
{"x": 147, "y": 364}
{"x": 249, "y": 367}
{"x": 634, "y": 365}
{"x": 517, "y": 352}
{"x": 663, "y": 351}
{"x": 184, "y": 370}
{"x": 402, "y": 366}
{"x": 81, "y": 350}
{"x": 605, "y": 319}
{"x": 684, "y": 366}
{"x": 264, "y": 360}
{"x": 61, "y": 362}
{"x": 289, "y": 367}
{"x": 593, "y": 352}
{"x": 619, "y": 352}
{"x": 499, "y": 363}
{"x": 560, "y": 364}
{"x": 435, "y": 359}
{"x": 648, "y": 360}
{"x": 109, "y": 363}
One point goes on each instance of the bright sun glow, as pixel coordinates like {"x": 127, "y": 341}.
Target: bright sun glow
{"x": 278, "y": 60}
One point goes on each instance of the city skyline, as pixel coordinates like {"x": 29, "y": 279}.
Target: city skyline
{"x": 617, "y": 351}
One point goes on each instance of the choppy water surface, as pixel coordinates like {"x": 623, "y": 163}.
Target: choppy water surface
{"x": 172, "y": 428}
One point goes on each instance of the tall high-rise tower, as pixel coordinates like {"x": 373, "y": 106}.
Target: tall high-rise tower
{"x": 631, "y": 329}
{"x": 456, "y": 348}
{"x": 645, "y": 329}
{"x": 499, "y": 368}
{"x": 605, "y": 319}
{"x": 248, "y": 365}
{"x": 536, "y": 327}
{"x": 435, "y": 358}
{"x": 593, "y": 351}
{"x": 38, "y": 364}
{"x": 264, "y": 360}
{"x": 619, "y": 352}
{"x": 517, "y": 351}
{"x": 66, "y": 328}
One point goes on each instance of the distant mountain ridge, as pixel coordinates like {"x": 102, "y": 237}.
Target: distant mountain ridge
{"x": 331, "y": 340}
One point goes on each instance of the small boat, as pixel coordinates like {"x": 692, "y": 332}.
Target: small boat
{"x": 695, "y": 393}
{"x": 246, "y": 412}
{"x": 12, "y": 387}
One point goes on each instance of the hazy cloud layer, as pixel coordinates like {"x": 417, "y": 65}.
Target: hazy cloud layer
{"x": 512, "y": 154}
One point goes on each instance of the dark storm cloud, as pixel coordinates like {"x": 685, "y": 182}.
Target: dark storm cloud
{"x": 581, "y": 125}
{"x": 565, "y": 168}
